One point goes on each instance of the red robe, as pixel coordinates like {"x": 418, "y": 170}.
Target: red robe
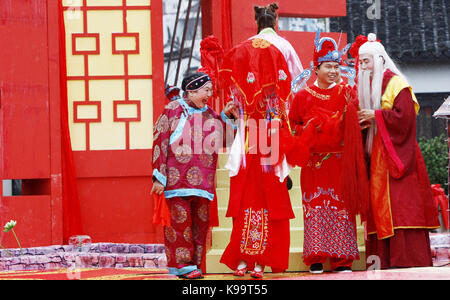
{"x": 185, "y": 153}
{"x": 260, "y": 207}
{"x": 402, "y": 208}
{"x": 257, "y": 74}
{"x": 330, "y": 230}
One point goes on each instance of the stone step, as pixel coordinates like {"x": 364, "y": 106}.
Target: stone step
{"x": 223, "y": 195}
{"x": 220, "y": 237}
{"x": 225, "y": 222}
{"x": 223, "y": 177}
{"x": 222, "y": 160}
{"x": 98, "y": 255}
{"x": 296, "y": 264}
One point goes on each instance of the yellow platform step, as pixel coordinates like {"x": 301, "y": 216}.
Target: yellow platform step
{"x": 296, "y": 264}
{"x": 221, "y": 235}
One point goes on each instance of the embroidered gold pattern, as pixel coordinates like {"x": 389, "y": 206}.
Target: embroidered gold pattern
{"x": 203, "y": 212}
{"x": 255, "y": 231}
{"x": 260, "y": 43}
{"x": 317, "y": 95}
{"x": 187, "y": 234}
{"x": 182, "y": 255}
{"x": 173, "y": 176}
{"x": 183, "y": 154}
{"x": 170, "y": 234}
{"x": 179, "y": 214}
{"x": 194, "y": 176}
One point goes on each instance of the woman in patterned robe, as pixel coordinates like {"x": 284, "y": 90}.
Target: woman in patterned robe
{"x": 187, "y": 138}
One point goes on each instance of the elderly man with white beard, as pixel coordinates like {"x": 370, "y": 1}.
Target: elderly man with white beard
{"x": 401, "y": 205}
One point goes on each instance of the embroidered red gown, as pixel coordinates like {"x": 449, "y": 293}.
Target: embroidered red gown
{"x": 329, "y": 228}
{"x": 255, "y": 72}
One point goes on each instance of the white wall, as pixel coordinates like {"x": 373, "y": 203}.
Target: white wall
{"x": 7, "y": 187}
{"x": 428, "y": 77}
{"x": 169, "y": 16}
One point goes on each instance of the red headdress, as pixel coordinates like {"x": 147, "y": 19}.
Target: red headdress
{"x": 325, "y": 50}
{"x": 172, "y": 92}
{"x": 211, "y": 57}
{"x": 354, "y": 49}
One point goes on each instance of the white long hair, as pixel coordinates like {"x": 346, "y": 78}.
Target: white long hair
{"x": 369, "y": 91}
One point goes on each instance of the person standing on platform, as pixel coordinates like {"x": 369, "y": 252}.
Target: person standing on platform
{"x": 402, "y": 210}
{"x": 257, "y": 75}
{"x": 334, "y": 181}
{"x": 187, "y": 138}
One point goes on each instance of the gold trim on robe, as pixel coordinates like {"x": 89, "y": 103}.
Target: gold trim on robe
{"x": 394, "y": 87}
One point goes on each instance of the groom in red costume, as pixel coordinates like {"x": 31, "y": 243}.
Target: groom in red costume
{"x": 402, "y": 210}
{"x": 334, "y": 181}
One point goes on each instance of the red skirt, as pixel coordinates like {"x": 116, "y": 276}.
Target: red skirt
{"x": 329, "y": 230}
{"x": 261, "y": 209}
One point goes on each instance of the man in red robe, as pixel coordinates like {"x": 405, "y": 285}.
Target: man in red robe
{"x": 401, "y": 210}
{"x": 333, "y": 179}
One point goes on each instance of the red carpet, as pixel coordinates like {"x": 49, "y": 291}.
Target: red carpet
{"x": 87, "y": 274}
{"x": 400, "y": 274}
{"x": 430, "y": 273}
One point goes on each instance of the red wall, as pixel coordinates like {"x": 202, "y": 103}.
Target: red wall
{"x": 30, "y": 144}
{"x": 113, "y": 186}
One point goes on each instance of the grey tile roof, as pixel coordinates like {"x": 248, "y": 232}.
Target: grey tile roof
{"x": 411, "y": 30}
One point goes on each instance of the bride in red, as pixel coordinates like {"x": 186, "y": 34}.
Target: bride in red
{"x": 257, "y": 75}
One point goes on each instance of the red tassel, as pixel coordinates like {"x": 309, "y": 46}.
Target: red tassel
{"x": 161, "y": 212}
{"x": 355, "y": 182}
{"x": 70, "y": 201}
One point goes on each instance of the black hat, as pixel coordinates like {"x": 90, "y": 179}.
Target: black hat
{"x": 194, "y": 81}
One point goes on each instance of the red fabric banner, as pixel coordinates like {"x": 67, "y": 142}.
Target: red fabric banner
{"x": 227, "y": 42}
{"x": 71, "y": 204}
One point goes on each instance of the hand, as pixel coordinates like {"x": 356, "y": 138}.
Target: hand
{"x": 231, "y": 110}
{"x": 364, "y": 125}
{"x": 157, "y": 188}
{"x": 315, "y": 122}
{"x": 365, "y": 117}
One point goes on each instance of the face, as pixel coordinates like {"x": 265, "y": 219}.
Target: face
{"x": 201, "y": 96}
{"x": 328, "y": 72}
{"x": 366, "y": 62}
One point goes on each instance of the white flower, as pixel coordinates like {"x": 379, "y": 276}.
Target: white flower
{"x": 10, "y": 225}
{"x": 250, "y": 77}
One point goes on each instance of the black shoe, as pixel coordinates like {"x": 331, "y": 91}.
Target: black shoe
{"x": 316, "y": 268}
{"x": 289, "y": 183}
{"x": 342, "y": 270}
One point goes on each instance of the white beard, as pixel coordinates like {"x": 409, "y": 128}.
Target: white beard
{"x": 364, "y": 89}
{"x": 369, "y": 92}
